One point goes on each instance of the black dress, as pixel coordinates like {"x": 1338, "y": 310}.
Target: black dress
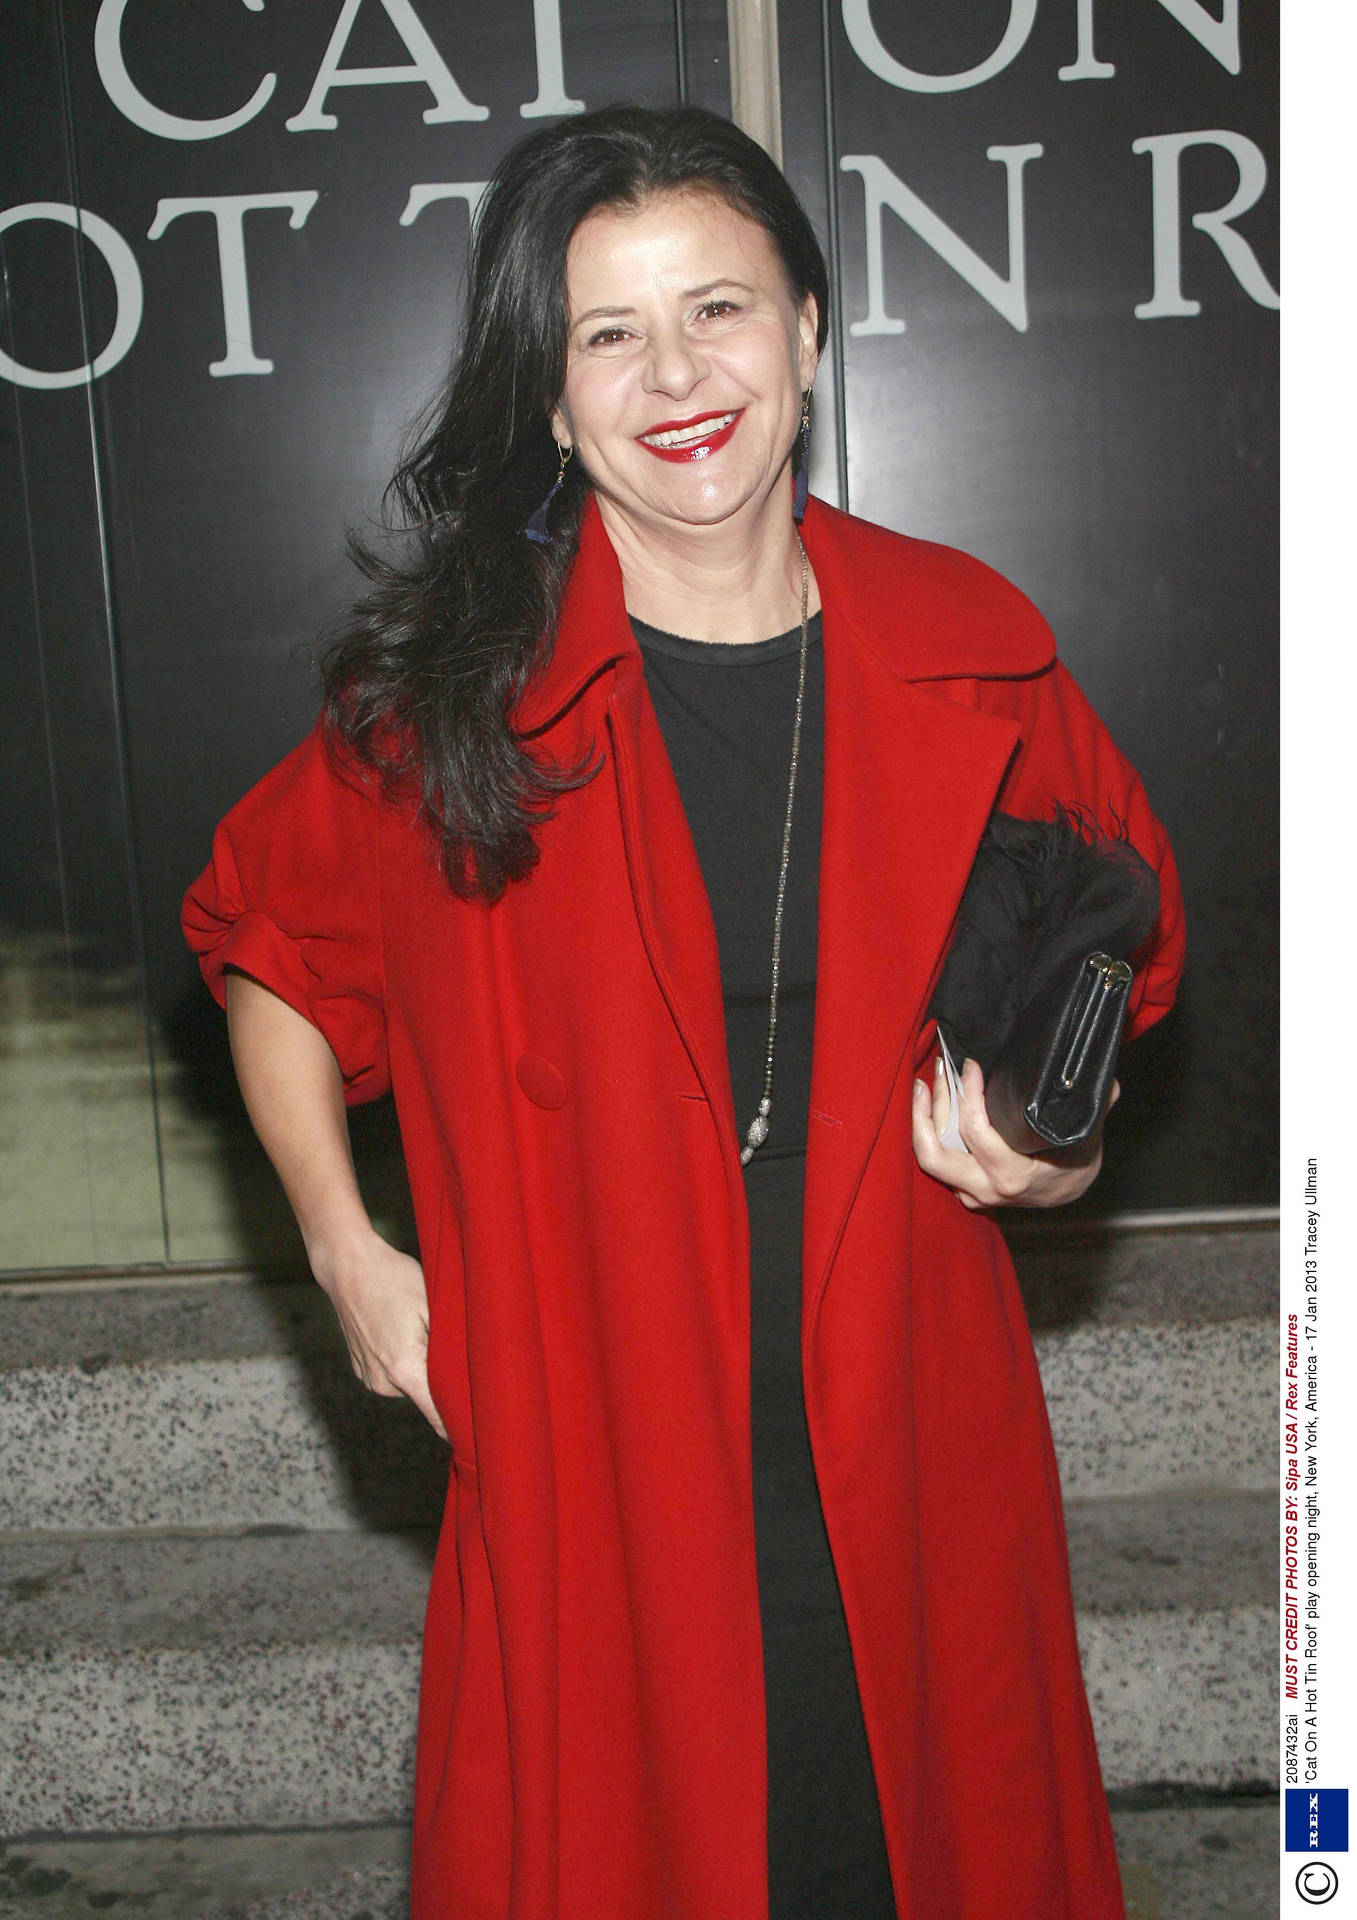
{"x": 727, "y": 713}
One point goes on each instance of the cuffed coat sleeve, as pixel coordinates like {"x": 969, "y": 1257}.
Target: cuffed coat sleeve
{"x": 1068, "y": 758}
{"x": 291, "y": 896}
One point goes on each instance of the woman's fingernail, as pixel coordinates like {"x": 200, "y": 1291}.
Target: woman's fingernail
{"x": 937, "y": 1068}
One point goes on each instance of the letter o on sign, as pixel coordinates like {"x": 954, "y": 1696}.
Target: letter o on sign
{"x": 126, "y": 273}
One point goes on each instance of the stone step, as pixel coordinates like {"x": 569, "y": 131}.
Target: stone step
{"x": 1158, "y": 1355}
{"x": 344, "y": 1873}
{"x": 1177, "y": 1619}
{"x": 157, "y": 1405}
{"x": 270, "y": 1679}
{"x": 151, "y": 1405}
{"x": 208, "y": 1681}
{"x": 1195, "y": 1862}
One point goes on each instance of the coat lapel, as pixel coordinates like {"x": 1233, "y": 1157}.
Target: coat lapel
{"x": 670, "y": 896}
{"x": 669, "y": 892}
{"x": 910, "y": 780}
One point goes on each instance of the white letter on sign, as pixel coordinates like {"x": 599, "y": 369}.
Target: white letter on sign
{"x": 229, "y": 210}
{"x": 551, "y": 97}
{"x": 426, "y": 67}
{"x": 883, "y": 189}
{"x": 1165, "y": 150}
{"x": 122, "y": 264}
{"x": 866, "y": 44}
{"x": 427, "y": 194}
{"x": 132, "y": 103}
{"x": 1219, "y": 37}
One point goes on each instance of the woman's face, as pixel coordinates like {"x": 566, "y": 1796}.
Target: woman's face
{"x": 687, "y": 359}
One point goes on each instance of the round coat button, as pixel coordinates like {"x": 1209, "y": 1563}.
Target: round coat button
{"x": 540, "y": 1081}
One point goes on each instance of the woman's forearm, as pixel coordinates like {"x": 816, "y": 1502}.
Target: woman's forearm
{"x": 294, "y": 1095}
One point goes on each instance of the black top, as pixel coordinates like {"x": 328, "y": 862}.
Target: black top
{"x": 727, "y": 713}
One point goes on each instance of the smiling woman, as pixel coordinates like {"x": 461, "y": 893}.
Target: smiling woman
{"x": 626, "y": 855}
{"x": 687, "y": 343}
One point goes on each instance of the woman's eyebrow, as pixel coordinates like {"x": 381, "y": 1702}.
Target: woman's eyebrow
{"x": 689, "y": 293}
{"x": 602, "y": 313}
{"x": 700, "y": 293}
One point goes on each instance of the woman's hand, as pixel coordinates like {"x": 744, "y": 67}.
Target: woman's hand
{"x": 383, "y": 1309}
{"x": 294, "y": 1093}
{"x": 992, "y": 1174}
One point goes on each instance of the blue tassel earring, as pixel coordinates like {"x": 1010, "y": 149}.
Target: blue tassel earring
{"x": 801, "y": 492}
{"x": 537, "y": 529}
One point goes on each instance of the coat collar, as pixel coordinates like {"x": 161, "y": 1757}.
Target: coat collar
{"x": 592, "y": 630}
{"x": 925, "y": 611}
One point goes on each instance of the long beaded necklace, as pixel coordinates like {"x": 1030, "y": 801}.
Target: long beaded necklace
{"x": 758, "y": 1126}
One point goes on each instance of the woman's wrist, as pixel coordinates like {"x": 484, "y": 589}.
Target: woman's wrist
{"x": 341, "y": 1250}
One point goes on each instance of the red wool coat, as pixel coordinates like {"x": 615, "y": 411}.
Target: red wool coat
{"x": 592, "y": 1735}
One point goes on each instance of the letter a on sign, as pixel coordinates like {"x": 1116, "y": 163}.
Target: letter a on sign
{"x": 426, "y": 66}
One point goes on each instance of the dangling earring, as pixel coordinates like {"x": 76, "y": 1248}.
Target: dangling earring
{"x": 801, "y": 492}
{"x": 537, "y": 529}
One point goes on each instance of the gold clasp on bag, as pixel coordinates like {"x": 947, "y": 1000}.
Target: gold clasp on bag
{"x": 1107, "y": 973}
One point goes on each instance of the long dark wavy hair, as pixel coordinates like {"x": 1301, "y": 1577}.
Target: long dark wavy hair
{"x": 421, "y": 683}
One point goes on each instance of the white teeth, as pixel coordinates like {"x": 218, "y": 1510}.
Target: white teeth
{"x": 684, "y": 436}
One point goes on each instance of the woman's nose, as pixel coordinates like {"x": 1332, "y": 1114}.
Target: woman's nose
{"x": 673, "y": 365}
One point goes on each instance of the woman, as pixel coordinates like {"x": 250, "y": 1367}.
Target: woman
{"x": 626, "y": 854}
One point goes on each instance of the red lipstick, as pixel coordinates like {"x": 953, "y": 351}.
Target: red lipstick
{"x": 698, "y": 448}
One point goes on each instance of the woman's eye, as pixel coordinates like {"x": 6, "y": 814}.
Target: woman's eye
{"x": 606, "y": 337}
{"x": 717, "y": 309}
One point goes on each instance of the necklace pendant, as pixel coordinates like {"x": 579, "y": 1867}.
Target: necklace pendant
{"x": 757, "y": 1134}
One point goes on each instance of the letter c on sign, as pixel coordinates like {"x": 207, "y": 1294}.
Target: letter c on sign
{"x": 132, "y": 103}
{"x": 126, "y": 281}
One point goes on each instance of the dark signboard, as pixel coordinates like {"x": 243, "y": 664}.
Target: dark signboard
{"x": 1055, "y": 247}
{"x": 233, "y": 238}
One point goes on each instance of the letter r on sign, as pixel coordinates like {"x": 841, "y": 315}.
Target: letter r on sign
{"x": 1166, "y": 151}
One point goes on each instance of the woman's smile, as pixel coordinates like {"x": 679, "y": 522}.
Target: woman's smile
{"x": 693, "y": 439}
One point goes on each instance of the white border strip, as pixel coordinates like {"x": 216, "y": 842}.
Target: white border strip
{"x": 1317, "y": 1407}
{"x": 755, "y": 72}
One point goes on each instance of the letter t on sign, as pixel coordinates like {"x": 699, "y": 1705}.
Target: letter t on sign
{"x": 229, "y": 210}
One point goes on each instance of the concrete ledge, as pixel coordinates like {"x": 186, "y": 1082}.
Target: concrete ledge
{"x": 1087, "y": 1276}
{"x": 1178, "y": 1863}
{"x": 1208, "y": 1862}
{"x": 276, "y": 1439}
{"x": 152, "y": 1406}
{"x": 271, "y": 1680}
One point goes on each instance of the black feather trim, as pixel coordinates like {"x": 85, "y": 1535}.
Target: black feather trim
{"x": 1042, "y": 894}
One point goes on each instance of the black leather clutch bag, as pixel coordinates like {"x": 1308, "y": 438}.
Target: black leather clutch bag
{"x": 1036, "y": 981}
